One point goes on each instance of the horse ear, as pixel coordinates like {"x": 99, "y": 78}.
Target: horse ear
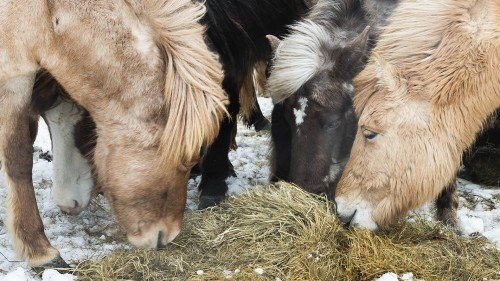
{"x": 274, "y": 41}
{"x": 387, "y": 73}
{"x": 354, "y": 53}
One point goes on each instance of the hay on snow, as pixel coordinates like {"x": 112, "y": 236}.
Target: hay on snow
{"x": 284, "y": 232}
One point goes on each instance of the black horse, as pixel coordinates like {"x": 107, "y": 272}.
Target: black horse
{"x": 313, "y": 121}
{"x": 237, "y": 31}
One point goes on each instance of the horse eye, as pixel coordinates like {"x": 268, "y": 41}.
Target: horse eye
{"x": 334, "y": 124}
{"x": 369, "y": 135}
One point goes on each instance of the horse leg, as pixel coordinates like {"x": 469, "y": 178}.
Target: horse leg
{"x": 23, "y": 219}
{"x": 215, "y": 165}
{"x": 72, "y": 175}
{"x": 281, "y": 141}
{"x": 72, "y": 180}
{"x": 447, "y": 205}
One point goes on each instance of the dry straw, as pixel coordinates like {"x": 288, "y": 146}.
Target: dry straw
{"x": 283, "y": 232}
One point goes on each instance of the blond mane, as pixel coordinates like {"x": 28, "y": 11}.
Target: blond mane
{"x": 194, "y": 99}
{"x": 440, "y": 58}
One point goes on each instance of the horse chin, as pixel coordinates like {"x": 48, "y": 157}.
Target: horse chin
{"x": 157, "y": 236}
{"x": 356, "y": 214}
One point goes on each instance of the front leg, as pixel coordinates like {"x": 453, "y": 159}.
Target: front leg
{"x": 72, "y": 180}
{"x": 215, "y": 165}
{"x": 72, "y": 174}
{"x": 281, "y": 138}
{"x": 23, "y": 219}
{"x": 447, "y": 205}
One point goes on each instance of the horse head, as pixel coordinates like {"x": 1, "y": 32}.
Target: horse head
{"x": 311, "y": 85}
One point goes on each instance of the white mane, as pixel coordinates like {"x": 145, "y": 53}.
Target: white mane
{"x": 297, "y": 59}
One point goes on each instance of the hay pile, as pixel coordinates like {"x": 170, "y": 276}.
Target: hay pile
{"x": 286, "y": 233}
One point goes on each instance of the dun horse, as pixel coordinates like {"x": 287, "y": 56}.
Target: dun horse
{"x": 430, "y": 84}
{"x": 236, "y": 30}
{"x": 145, "y": 74}
{"x": 313, "y": 120}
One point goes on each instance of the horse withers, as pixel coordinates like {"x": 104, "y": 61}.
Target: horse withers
{"x": 313, "y": 120}
{"x": 431, "y": 83}
{"x": 153, "y": 88}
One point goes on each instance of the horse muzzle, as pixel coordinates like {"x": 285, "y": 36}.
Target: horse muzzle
{"x": 157, "y": 237}
{"x": 355, "y": 214}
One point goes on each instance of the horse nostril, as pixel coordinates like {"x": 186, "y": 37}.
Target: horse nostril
{"x": 76, "y": 204}
{"x": 159, "y": 244}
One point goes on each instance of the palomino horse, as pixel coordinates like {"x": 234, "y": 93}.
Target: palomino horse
{"x": 313, "y": 121}
{"x": 236, "y": 29}
{"x": 430, "y": 84}
{"x": 144, "y": 73}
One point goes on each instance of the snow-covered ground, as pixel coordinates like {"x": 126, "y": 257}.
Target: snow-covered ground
{"x": 95, "y": 233}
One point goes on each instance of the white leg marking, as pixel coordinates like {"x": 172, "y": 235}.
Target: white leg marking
{"x": 72, "y": 177}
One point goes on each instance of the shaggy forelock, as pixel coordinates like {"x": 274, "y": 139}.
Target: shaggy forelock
{"x": 297, "y": 59}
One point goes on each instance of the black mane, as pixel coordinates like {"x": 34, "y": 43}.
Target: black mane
{"x": 237, "y": 29}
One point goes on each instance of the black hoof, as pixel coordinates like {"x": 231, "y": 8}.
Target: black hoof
{"x": 57, "y": 263}
{"x": 209, "y": 201}
{"x": 262, "y": 125}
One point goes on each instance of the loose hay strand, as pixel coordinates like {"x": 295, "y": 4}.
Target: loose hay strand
{"x": 294, "y": 235}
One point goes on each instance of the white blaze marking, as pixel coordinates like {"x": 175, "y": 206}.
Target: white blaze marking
{"x": 300, "y": 113}
{"x": 72, "y": 177}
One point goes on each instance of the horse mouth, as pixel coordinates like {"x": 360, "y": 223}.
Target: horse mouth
{"x": 346, "y": 221}
{"x": 159, "y": 242}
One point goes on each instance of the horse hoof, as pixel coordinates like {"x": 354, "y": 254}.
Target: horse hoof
{"x": 57, "y": 263}
{"x": 262, "y": 125}
{"x": 209, "y": 201}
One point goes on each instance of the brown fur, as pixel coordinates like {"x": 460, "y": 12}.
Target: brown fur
{"x": 431, "y": 82}
{"x": 143, "y": 71}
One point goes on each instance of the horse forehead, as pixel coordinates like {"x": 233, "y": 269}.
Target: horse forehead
{"x": 393, "y": 112}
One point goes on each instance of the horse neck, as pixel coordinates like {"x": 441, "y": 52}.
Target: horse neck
{"x": 462, "y": 119}
{"x": 128, "y": 78}
{"x": 456, "y": 59}
{"x": 334, "y": 12}
{"x": 378, "y": 11}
